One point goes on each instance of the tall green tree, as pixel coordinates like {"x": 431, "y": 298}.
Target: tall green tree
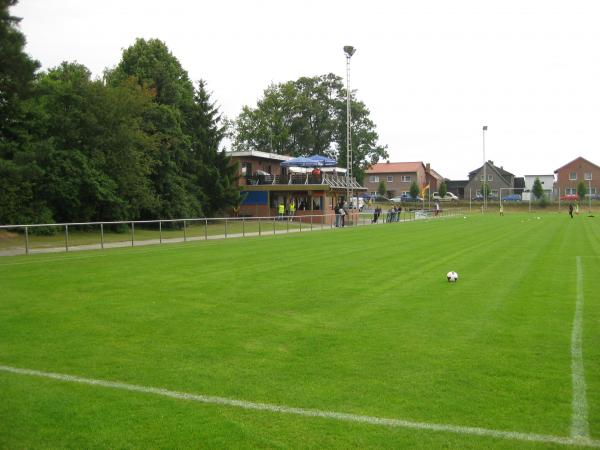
{"x": 308, "y": 116}
{"x": 90, "y": 142}
{"x": 537, "y": 189}
{"x": 17, "y": 72}
{"x": 191, "y": 177}
{"x": 582, "y": 190}
{"x": 381, "y": 189}
{"x": 443, "y": 189}
{"x": 214, "y": 172}
{"x": 20, "y": 173}
{"x": 414, "y": 189}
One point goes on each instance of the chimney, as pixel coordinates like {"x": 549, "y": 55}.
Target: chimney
{"x": 427, "y": 167}
{"x": 388, "y": 161}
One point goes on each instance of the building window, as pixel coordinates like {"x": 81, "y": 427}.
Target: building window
{"x": 490, "y": 178}
{"x": 246, "y": 169}
{"x": 406, "y": 178}
{"x": 405, "y": 194}
{"x": 572, "y": 176}
{"x": 373, "y": 179}
{"x": 587, "y": 176}
{"x": 593, "y": 191}
{"x": 570, "y": 191}
{"x": 390, "y": 179}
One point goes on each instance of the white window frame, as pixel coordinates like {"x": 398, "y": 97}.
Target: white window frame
{"x": 570, "y": 191}
{"x": 572, "y": 176}
{"x": 406, "y": 178}
{"x": 390, "y": 179}
{"x": 373, "y": 179}
{"x": 587, "y": 176}
{"x": 490, "y": 177}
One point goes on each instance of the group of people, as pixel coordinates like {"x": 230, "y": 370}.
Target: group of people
{"x": 393, "y": 214}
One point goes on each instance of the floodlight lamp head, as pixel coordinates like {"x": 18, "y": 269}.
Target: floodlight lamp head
{"x": 349, "y": 51}
{"x": 485, "y": 128}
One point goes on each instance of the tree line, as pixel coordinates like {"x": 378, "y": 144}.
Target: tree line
{"x": 143, "y": 141}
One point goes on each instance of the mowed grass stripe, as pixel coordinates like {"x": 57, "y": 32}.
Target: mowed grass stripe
{"x": 579, "y": 425}
{"x": 355, "y": 320}
{"x": 511, "y": 435}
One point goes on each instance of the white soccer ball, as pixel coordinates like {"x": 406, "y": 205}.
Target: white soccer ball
{"x": 452, "y": 277}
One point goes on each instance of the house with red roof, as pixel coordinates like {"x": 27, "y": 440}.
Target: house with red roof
{"x": 398, "y": 177}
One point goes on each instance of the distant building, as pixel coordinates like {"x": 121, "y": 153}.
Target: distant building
{"x": 497, "y": 179}
{"x": 398, "y": 177}
{"x": 569, "y": 176}
{"x": 457, "y": 187}
{"x": 547, "y": 184}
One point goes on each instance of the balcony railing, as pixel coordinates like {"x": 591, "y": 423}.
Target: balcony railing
{"x": 338, "y": 181}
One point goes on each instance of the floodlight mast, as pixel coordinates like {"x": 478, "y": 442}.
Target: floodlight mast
{"x": 483, "y": 185}
{"x": 349, "y": 51}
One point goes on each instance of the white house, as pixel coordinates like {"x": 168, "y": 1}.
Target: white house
{"x": 547, "y": 183}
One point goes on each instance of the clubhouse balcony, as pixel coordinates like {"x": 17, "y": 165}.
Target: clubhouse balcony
{"x": 325, "y": 181}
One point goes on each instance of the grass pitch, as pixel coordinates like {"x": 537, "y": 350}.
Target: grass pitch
{"x": 358, "y": 321}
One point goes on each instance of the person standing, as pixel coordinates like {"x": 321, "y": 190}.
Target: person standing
{"x": 343, "y": 215}
{"x": 292, "y": 208}
{"x": 336, "y": 210}
{"x": 281, "y": 210}
{"x": 437, "y": 208}
{"x": 571, "y": 210}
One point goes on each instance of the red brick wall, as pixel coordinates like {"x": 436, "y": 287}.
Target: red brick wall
{"x": 580, "y": 167}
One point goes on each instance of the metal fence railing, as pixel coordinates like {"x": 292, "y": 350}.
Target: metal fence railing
{"x": 65, "y": 237}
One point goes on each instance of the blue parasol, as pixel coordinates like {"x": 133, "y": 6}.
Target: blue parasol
{"x": 301, "y": 161}
{"x": 324, "y": 160}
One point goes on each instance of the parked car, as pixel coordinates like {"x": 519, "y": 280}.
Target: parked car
{"x": 570, "y": 198}
{"x": 447, "y": 197}
{"x": 408, "y": 199}
{"x": 396, "y": 199}
{"x": 479, "y": 197}
{"x": 375, "y": 198}
{"x": 512, "y": 198}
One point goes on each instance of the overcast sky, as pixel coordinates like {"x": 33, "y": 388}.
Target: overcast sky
{"x": 431, "y": 72}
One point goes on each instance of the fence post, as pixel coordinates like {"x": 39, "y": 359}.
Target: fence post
{"x": 259, "y": 221}
{"x": 160, "y": 231}
{"x": 102, "y": 236}
{"x": 225, "y": 227}
{"x": 273, "y": 225}
{"x": 243, "y": 227}
{"x": 132, "y": 233}
{"x": 311, "y": 220}
{"x": 26, "y": 240}
{"x": 300, "y": 224}
{"x": 66, "y": 238}
{"x": 184, "y": 231}
{"x": 206, "y": 229}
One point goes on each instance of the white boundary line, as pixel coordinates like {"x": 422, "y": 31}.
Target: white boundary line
{"x": 396, "y": 423}
{"x": 579, "y": 418}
